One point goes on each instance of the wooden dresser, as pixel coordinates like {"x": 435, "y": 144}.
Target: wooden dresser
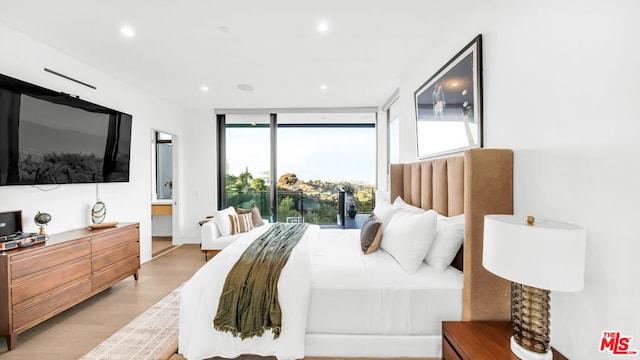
{"x": 41, "y": 281}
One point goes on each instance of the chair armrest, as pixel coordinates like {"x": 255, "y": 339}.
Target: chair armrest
{"x": 208, "y": 233}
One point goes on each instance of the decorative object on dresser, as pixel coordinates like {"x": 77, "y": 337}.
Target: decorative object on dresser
{"x": 537, "y": 256}
{"x": 42, "y": 219}
{"x": 10, "y": 222}
{"x": 99, "y": 210}
{"x": 37, "y": 283}
{"x": 11, "y": 235}
{"x": 472, "y": 340}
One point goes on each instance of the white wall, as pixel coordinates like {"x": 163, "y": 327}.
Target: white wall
{"x": 561, "y": 89}
{"x": 69, "y": 205}
{"x": 199, "y": 166}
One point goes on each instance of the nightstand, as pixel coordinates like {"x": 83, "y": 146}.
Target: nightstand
{"x": 479, "y": 340}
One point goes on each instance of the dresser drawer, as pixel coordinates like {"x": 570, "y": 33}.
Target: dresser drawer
{"x": 45, "y": 308}
{"x": 47, "y": 258}
{"x": 115, "y": 273}
{"x": 40, "y": 285}
{"x": 111, "y": 239}
{"x": 108, "y": 258}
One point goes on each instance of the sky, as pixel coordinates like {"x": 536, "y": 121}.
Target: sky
{"x": 329, "y": 154}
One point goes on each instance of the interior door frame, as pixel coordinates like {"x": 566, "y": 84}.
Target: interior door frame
{"x": 175, "y": 178}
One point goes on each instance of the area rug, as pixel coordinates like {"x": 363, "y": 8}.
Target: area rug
{"x": 147, "y": 337}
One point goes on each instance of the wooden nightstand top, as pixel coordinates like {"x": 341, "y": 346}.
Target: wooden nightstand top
{"x": 475, "y": 340}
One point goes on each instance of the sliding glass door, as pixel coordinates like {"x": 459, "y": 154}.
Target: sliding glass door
{"x": 247, "y": 165}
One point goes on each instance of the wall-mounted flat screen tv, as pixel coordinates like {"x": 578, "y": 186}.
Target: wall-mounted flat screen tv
{"x": 47, "y": 137}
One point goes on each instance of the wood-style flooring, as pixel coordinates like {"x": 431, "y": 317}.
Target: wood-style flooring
{"x": 76, "y": 331}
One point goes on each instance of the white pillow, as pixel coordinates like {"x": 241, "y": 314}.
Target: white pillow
{"x": 449, "y": 238}
{"x": 222, "y": 220}
{"x": 398, "y": 203}
{"x": 384, "y": 211}
{"x": 408, "y": 238}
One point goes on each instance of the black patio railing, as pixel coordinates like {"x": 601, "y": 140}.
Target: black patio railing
{"x": 299, "y": 206}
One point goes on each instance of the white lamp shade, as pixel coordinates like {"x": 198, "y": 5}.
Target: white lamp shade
{"x": 547, "y": 255}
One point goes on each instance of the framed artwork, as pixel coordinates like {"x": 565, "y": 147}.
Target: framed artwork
{"x": 449, "y": 105}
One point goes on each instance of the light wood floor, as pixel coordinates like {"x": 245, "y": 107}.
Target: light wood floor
{"x": 160, "y": 244}
{"x": 76, "y": 331}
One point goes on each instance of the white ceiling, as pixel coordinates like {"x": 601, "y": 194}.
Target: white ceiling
{"x": 274, "y": 46}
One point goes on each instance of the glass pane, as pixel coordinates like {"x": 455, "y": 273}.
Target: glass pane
{"x": 317, "y": 155}
{"x": 248, "y": 156}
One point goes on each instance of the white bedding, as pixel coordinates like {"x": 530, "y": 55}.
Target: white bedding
{"x": 197, "y": 337}
{"x": 346, "y": 295}
{"x": 353, "y": 293}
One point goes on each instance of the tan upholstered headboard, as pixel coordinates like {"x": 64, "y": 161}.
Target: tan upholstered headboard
{"x": 476, "y": 184}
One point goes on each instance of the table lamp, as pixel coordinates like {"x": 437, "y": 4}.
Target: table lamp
{"x": 537, "y": 257}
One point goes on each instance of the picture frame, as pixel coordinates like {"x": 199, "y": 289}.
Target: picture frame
{"x": 449, "y": 105}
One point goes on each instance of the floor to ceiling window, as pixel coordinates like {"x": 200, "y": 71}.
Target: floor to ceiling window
{"x": 316, "y": 155}
{"x": 247, "y": 165}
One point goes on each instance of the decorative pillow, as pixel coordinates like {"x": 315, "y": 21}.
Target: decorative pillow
{"x": 371, "y": 234}
{"x": 240, "y": 223}
{"x": 449, "y": 238}
{"x": 408, "y": 238}
{"x": 221, "y": 218}
{"x": 255, "y": 215}
{"x": 398, "y": 203}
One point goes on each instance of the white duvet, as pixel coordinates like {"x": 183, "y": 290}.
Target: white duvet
{"x": 332, "y": 298}
{"x": 198, "y": 339}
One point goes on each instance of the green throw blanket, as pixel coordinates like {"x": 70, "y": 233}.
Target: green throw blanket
{"x": 249, "y": 301}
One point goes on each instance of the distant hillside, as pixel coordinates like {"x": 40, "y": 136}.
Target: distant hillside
{"x": 315, "y": 200}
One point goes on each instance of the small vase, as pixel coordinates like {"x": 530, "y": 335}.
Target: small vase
{"x": 98, "y": 212}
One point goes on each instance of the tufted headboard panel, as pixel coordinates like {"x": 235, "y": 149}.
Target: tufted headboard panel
{"x": 478, "y": 183}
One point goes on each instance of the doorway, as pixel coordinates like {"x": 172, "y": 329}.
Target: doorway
{"x": 162, "y": 197}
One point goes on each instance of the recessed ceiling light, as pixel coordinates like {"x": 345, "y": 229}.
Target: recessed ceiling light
{"x": 323, "y": 87}
{"x": 224, "y": 28}
{"x": 323, "y": 27}
{"x": 245, "y": 87}
{"x": 127, "y": 31}
{"x": 204, "y": 88}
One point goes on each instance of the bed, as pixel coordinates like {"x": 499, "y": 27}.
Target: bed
{"x": 342, "y": 303}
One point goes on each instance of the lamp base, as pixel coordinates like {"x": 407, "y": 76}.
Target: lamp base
{"x": 525, "y": 354}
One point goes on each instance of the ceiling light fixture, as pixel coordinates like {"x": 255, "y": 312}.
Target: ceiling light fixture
{"x": 323, "y": 87}
{"x": 127, "y": 31}
{"x": 204, "y": 88}
{"x": 323, "y": 27}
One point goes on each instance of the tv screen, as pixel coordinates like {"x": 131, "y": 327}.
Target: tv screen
{"x": 53, "y": 138}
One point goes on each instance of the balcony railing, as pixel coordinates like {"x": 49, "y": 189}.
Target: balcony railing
{"x": 299, "y": 206}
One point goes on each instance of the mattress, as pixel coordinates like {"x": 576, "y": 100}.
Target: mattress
{"x": 353, "y": 293}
